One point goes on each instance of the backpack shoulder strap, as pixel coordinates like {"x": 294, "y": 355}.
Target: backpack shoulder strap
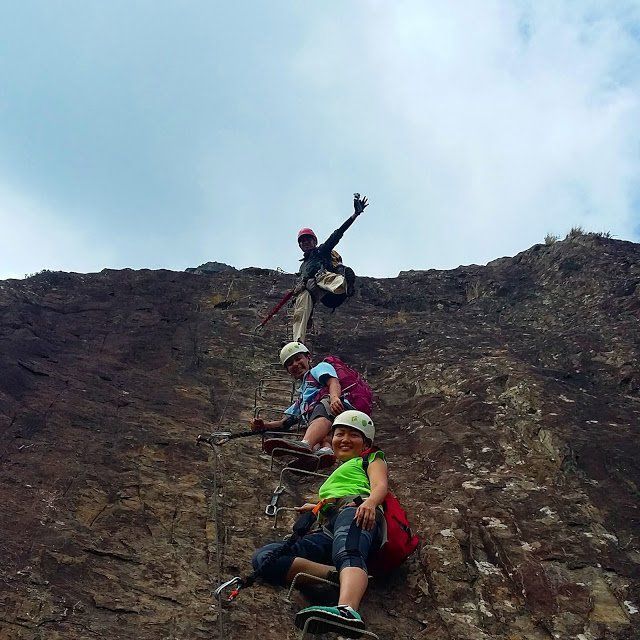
{"x": 365, "y": 458}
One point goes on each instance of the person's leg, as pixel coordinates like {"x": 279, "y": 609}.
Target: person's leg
{"x": 272, "y": 570}
{"x": 353, "y": 584}
{"x": 317, "y": 432}
{"x": 302, "y": 311}
{"x": 316, "y": 440}
{"x": 351, "y": 548}
{"x": 302, "y": 565}
{"x": 332, "y": 282}
{"x": 311, "y": 554}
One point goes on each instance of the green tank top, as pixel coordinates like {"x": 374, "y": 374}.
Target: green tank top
{"x": 349, "y": 479}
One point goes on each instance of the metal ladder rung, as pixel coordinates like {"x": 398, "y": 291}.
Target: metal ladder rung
{"x": 311, "y": 577}
{"x": 269, "y": 410}
{"x": 305, "y": 630}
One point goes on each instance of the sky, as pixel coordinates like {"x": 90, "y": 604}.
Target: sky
{"x": 167, "y": 133}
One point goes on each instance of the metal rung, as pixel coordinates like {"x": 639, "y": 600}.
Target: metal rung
{"x": 278, "y": 510}
{"x": 273, "y": 378}
{"x": 259, "y": 394}
{"x": 314, "y": 474}
{"x": 274, "y": 410}
{"x": 298, "y": 454}
{"x": 276, "y": 381}
{"x": 274, "y": 365}
{"x": 305, "y": 629}
{"x": 313, "y": 578}
{"x": 277, "y": 387}
{"x": 279, "y": 434}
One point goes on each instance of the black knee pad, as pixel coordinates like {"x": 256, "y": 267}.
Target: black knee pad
{"x": 350, "y": 558}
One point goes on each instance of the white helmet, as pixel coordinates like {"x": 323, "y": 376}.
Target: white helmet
{"x": 356, "y": 420}
{"x": 290, "y": 350}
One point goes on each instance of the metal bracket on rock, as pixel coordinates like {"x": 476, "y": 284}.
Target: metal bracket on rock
{"x": 276, "y": 386}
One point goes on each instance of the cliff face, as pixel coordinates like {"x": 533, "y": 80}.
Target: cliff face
{"x": 508, "y": 399}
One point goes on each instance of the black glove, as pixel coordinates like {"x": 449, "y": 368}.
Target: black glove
{"x": 359, "y": 203}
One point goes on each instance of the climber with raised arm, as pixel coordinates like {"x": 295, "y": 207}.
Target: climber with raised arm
{"x": 322, "y": 276}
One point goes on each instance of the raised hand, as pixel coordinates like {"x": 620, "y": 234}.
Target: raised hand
{"x": 359, "y": 203}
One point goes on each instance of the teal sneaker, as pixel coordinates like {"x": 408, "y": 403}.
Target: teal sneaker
{"x": 341, "y": 619}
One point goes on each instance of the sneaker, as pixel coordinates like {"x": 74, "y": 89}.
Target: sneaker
{"x": 326, "y": 619}
{"x": 282, "y": 443}
{"x": 326, "y": 457}
{"x": 322, "y": 459}
{"x": 304, "y": 463}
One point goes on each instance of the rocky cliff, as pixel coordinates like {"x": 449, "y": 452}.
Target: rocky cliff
{"x": 508, "y": 403}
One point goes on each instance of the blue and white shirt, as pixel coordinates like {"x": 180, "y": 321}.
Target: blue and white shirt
{"x": 312, "y": 383}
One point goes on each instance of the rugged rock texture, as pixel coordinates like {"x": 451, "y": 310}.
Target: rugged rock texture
{"x": 508, "y": 405}
{"x": 209, "y": 268}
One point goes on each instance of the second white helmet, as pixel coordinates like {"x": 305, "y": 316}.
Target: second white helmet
{"x": 356, "y": 420}
{"x": 291, "y": 349}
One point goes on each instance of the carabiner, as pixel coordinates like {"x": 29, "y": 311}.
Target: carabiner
{"x": 271, "y": 509}
{"x": 229, "y": 583}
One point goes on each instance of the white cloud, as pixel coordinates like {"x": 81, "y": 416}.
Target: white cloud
{"x": 474, "y": 127}
{"x": 33, "y": 238}
{"x": 496, "y": 122}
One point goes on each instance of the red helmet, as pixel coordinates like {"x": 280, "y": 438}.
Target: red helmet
{"x": 307, "y": 232}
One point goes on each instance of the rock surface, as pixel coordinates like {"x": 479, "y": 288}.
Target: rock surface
{"x": 508, "y": 399}
{"x": 209, "y": 268}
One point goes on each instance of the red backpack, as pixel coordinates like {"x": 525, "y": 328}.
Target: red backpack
{"x": 401, "y": 542}
{"x": 356, "y": 390}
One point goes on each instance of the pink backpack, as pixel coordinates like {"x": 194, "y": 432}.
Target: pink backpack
{"x": 354, "y": 387}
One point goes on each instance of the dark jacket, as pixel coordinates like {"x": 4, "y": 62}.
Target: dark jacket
{"x": 320, "y": 257}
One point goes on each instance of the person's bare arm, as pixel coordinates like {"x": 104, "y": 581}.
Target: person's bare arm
{"x": 378, "y": 478}
{"x": 307, "y": 506}
{"x": 335, "y": 391}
